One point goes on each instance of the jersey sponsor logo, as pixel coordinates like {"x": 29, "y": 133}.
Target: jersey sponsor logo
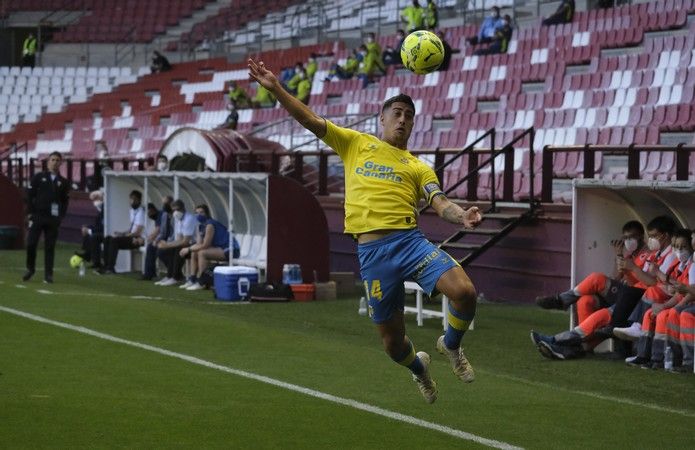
{"x": 382, "y": 172}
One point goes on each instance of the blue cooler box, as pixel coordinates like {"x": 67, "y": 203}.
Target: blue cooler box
{"x": 232, "y": 283}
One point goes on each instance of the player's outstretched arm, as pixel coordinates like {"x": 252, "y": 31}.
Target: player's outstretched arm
{"x": 301, "y": 112}
{"x": 453, "y": 213}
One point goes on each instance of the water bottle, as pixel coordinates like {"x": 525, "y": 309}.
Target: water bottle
{"x": 82, "y": 269}
{"x": 296, "y": 274}
{"x": 668, "y": 358}
{"x": 362, "y": 311}
{"x": 286, "y": 274}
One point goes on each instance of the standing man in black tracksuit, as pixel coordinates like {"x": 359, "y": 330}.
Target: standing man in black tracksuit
{"x": 47, "y": 204}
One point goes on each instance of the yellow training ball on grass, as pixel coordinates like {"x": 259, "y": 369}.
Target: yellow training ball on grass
{"x": 75, "y": 261}
{"x": 422, "y": 52}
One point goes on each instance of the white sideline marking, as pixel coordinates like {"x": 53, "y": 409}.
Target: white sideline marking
{"x": 595, "y": 395}
{"x": 21, "y": 286}
{"x": 43, "y": 291}
{"x": 272, "y": 381}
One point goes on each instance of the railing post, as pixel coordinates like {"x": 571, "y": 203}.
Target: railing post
{"x": 274, "y": 163}
{"x": 589, "y": 166}
{"x": 323, "y": 173}
{"x": 69, "y": 165}
{"x": 682, "y": 161}
{"x": 32, "y": 169}
{"x": 9, "y": 169}
{"x": 493, "y": 177}
{"x": 508, "y": 193}
{"x": 633, "y": 159}
{"x": 299, "y": 167}
{"x": 547, "y": 174}
{"x": 473, "y": 179}
{"x": 83, "y": 175}
{"x": 532, "y": 168}
{"x": 438, "y": 163}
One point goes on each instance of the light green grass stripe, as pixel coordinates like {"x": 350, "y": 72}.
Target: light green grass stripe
{"x": 272, "y": 381}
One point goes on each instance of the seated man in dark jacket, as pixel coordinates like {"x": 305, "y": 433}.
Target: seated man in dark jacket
{"x": 93, "y": 235}
{"x": 563, "y": 14}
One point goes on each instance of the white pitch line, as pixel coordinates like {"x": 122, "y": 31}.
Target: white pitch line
{"x": 272, "y": 381}
{"x": 596, "y": 395}
{"x": 43, "y": 291}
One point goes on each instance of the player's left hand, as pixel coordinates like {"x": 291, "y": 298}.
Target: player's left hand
{"x": 472, "y": 217}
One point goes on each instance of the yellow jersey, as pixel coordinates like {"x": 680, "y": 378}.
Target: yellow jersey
{"x": 383, "y": 183}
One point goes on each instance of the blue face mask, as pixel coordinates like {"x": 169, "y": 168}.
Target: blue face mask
{"x": 201, "y": 218}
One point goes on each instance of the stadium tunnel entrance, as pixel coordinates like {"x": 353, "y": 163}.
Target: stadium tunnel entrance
{"x": 192, "y": 149}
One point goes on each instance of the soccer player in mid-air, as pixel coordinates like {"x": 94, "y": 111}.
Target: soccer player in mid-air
{"x": 383, "y": 185}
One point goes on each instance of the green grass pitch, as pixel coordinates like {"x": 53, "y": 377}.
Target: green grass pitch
{"x": 63, "y": 389}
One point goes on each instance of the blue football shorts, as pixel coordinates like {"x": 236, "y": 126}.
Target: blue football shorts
{"x": 400, "y": 256}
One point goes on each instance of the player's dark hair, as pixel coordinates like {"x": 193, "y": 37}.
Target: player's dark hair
{"x": 662, "y": 224}
{"x": 58, "y": 154}
{"x": 151, "y": 207}
{"x": 137, "y": 194}
{"x": 163, "y": 157}
{"x": 400, "y": 98}
{"x": 178, "y": 203}
{"x": 683, "y": 233}
{"x": 634, "y": 225}
{"x": 205, "y": 208}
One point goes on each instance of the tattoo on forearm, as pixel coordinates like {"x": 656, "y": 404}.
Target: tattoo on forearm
{"x": 452, "y": 213}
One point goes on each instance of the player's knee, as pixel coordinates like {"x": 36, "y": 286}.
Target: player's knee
{"x": 464, "y": 293}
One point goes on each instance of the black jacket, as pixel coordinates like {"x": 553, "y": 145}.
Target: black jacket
{"x": 43, "y": 192}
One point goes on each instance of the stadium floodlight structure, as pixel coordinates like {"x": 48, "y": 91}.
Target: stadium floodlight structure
{"x": 275, "y": 219}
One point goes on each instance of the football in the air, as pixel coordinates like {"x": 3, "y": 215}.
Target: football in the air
{"x": 75, "y": 261}
{"x": 422, "y": 52}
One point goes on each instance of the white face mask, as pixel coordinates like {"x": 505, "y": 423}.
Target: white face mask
{"x": 682, "y": 255}
{"x": 630, "y": 244}
{"x": 98, "y": 204}
{"x": 653, "y": 244}
{"x": 178, "y": 215}
{"x": 161, "y": 166}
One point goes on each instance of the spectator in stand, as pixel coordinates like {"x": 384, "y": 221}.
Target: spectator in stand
{"x": 286, "y": 75}
{"x": 159, "y": 63}
{"x": 311, "y": 66}
{"x": 367, "y": 66}
{"x": 303, "y": 87}
{"x": 232, "y": 120}
{"x": 162, "y": 163}
{"x": 29, "y": 51}
{"x": 414, "y": 16}
{"x": 263, "y": 98}
{"x": 93, "y": 235}
{"x": 500, "y": 41}
{"x": 47, "y": 204}
{"x": 212, "y": 244}
{"x": 655, "y": 331}
{"x": 447, "y": 52}
{"x": 168, "y": 251}
{"x": 346, "y": 71}
{"x": 161, "y": 232}
{"x": 125, "y": 239}
{"x": 238, "y": 95}
{"x": 563, "y": 14}
{"x": 390, "y": 56}
{"x": 487, "y": 28}
{"x": 400, "y": 37}
{"x": 431, "y": 15}
{"x": 573, "y": 343}
{"x": 374, "y": 49}
{"x": 294, "y": 81}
